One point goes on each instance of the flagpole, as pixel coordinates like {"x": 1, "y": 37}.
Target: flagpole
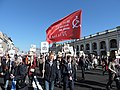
{"x": 43, "y": 71}
{"x": 44, "y": 59}
{"x": 74, "y": 45}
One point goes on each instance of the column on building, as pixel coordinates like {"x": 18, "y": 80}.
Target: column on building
{"x": 107, "y": 46}
{"x": 118, "y": 41}
{"x": 98, "y": 48}
{"x": 90, "y": 47}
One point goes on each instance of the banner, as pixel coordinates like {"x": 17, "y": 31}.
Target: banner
{"x": 44, "y": 47}
{"x": 65, "y": 29}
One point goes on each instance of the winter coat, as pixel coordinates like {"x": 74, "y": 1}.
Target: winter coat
{"x": 19, "y": 72}
{"x": 50, "y": 71}
{"x": 65, "y": 71}
{"x": 32, "y": 67}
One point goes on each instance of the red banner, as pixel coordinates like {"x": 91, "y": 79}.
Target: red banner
{"x": 65, "y": 29}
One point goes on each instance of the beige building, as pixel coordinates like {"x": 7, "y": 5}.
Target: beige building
{"x": 6, "y": 43}
{"x": 101, "y": 43}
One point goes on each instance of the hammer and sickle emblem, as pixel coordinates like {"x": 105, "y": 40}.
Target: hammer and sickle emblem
{"x": 76, "y": 22}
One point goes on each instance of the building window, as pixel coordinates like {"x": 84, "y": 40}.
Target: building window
{"x": 102, "y": 45}
{"x": 94, "y": 46}
{"x": 87, "y": 46}
{"x": 81, "y": 47}
{"x": 113, "y": 43}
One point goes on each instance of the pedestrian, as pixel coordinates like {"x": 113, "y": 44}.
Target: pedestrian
{"x": 50, "y": 72}
{"x": 59, "y": 71}
{"x": 68, "y": 74}
{"x": 74, "y": 62}
{"x": 104, "y": 65}
{"x": 82, "y": 65}
{"x": 41, "y": 62}
{"x": 6, "y": 70}
{"x": 95, "y": 62}
{"x": 31, "y": 69}
{"x": 112, "y": 72}
{"x": 18, "y": 74}
{"x": 117, "y": 79}
{"x": 1, "y": 70}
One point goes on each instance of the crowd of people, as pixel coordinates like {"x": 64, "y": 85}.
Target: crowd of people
{"x": 67, "y": 66}
{"x": 56, "y": 69}
{"x": 16, "y": 69}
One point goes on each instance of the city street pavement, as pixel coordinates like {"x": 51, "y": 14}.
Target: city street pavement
{"x": 94, "y": 80}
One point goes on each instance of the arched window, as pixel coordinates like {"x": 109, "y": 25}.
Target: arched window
{"x": 102, "y": 45}
{"x": 88, "y": 46}
{"x": 81, "y": 47}
{"x": 94, "y": 46}
{"x": 113, "y": 43}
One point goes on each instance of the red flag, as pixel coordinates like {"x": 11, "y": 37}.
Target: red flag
{"x": 66, "y": 28}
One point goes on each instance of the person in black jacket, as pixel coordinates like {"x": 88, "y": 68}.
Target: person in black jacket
{"x": 82, "y": 65}
{"x": 6, "y": 69}
{"x": 49, "y": 73}
{"x": 68, "y": 74}
{"x": 18, "y": 73}
{"x": 58, "y": 78}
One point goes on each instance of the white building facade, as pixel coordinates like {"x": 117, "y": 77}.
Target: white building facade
{"x": 102, "y": 43}
{"x": 6, "y": 43}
